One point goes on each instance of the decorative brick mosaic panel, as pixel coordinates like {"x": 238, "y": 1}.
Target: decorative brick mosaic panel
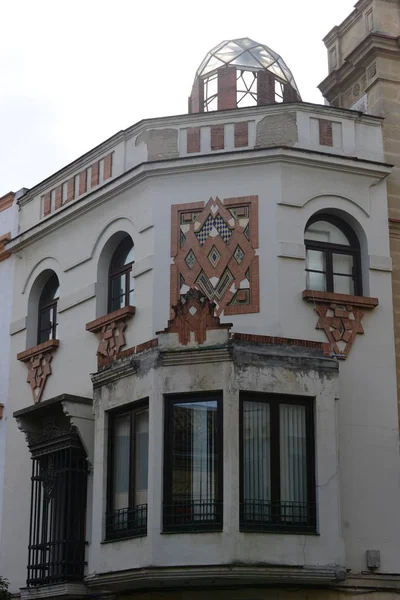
{"x": 213, "y": 247}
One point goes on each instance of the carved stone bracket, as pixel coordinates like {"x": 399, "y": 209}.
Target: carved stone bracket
{"x": 340, "y": 316}
{"x": 194, "y": 313}
{"x": 38, "y": 360}
{"x": 110, "y": 330}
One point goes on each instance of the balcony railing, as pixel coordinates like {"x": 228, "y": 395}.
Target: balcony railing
{"x": 127, "y": 522}
{"x": 192, "y": 516}
{"x": 290, "y": 517}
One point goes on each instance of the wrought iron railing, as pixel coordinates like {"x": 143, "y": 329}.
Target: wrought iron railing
{"x": 296, "y": 517}
{"x": 193, "y": 516}
{"x": 127, "y": 522}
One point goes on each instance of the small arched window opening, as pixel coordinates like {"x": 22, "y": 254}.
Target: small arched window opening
{"x": 47, "y": 317}
{"x": 333, "y": 261}
{"x": 120, "y": 280}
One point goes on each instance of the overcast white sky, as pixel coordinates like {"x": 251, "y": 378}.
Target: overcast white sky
{"x": 74, "y": 72}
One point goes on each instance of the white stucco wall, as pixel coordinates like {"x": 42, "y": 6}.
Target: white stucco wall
{"x": 8, "y": 224}
{"x": 357, "y": 419}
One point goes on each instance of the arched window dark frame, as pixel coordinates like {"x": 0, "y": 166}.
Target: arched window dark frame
{"x": 47, "y": 314}
{"x": 120, "y": 280}
{"x": 329, "y": 250}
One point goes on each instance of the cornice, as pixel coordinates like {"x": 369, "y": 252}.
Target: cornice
{"x": 217, "y": 575}
{"x": 186, "y": 120}
{"x": 171, "y": 167}
{"x": 370, "y": 47}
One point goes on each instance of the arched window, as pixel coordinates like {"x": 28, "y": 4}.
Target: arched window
{"x": 333, "y": 256}
{"x": 47, "y": 317}
{"x": 120, "y": 280}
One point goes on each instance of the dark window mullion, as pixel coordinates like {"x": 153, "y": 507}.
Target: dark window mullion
{"x": 310, "y": 464}
{"x": 329, "y": 271}
{"x": 131, "y": 498}
{"x": 275, "y": 461}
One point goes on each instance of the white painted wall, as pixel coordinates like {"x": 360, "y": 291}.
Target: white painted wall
{"x": 8, "y": 222}
{"x": 357, "y": 419}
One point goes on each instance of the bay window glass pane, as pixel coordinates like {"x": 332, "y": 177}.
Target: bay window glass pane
{"x": 195, "y": 458}
{"x": 343, "y": 284}
{"x": 121, "y": 461}
{"x": 316, "y": 281}
{"x": 141, "y": 456}
{"x": 293, "y": 462}
{"x": 256, "y": 460}
{"x": 342, "y": 264}
{"x": 316, "y": 260}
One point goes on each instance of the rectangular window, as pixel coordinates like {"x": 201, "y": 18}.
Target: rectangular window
{"x": 277, "y": 464}
{"x": 193, "y": 464}
{"x": 128, "y": 471}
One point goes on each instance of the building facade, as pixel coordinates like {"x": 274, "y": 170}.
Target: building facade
{"x": 364, "y": 74}
{"x": 202, "y": 369}
{"x": 8, "y": 223}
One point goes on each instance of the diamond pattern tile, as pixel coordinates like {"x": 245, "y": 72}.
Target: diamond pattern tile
{"x": 214, "y": 256}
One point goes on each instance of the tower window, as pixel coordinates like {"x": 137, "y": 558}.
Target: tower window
{"x": 333, "y": 262}
{"x": 47, "y": 329}
{"x": 120, "y": 280}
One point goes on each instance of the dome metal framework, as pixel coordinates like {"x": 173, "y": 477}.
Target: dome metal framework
{"x": 249, "y": 59}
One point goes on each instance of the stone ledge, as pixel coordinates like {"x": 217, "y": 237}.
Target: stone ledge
{"x": 44, "y": 347}
{"x": 216, "y": 575}
{"x": 67, "y": 591}
{"x": 332, "y": 298}
{"x": 122, "y": 313}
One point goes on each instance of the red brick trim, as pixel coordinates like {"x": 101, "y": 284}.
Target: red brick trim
{"x": 71, "y": 189}
{"x": 217, "y": 137}
{"x": 47, "y": 204}
{"x": 227, "y": 88}
{"x": 1, "y": 411}
{"x": 249, "y": 246}
{"x": 193, "y": 139}
{"x": 265, "y": 88}
{"x": 102, "y": 360}
{"x": 83, "y": 182}
{"x": 325, "y": 132}
{"x": 252, "y": 338}
{"x": 94, "y": 178}
{"x": 122, "y": 313}
{"x": 6, "y": 201}
{"x": 39, "y": 349}
{"x": 4, "y": 254}
{"x": 241, "y": 134}
{"x": 329, "y": 298}
{"x": 58, "y": 203}
{"x": 108, "y": 163}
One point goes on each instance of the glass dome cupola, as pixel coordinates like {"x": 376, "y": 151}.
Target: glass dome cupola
{"x": 239, "y": 73}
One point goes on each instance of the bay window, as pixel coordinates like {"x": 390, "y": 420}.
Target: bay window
{"x": 277, "y": 464}
{"x": 193, "y": 464}
{"x": 128, "y": 472}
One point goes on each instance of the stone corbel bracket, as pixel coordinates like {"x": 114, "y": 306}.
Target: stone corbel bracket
{"x": 38, "y": 361}
{"x": 110, "y": 330}
{"x": 340, "y": 316}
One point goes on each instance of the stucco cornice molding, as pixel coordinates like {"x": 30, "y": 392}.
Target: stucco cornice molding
{"x": 221, "y": 575}
{"x": 144, "y": 171}
{"x": 371, "y": 47}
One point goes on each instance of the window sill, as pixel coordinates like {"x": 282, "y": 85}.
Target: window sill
{"x": 35, "y": 350}
{"x": 122, "y": 313}
{"x": 277, "y": 530}
{"x": 122, "y": 538}
{"x": 216, "y": 529}
{"x": 347, "y": 299}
